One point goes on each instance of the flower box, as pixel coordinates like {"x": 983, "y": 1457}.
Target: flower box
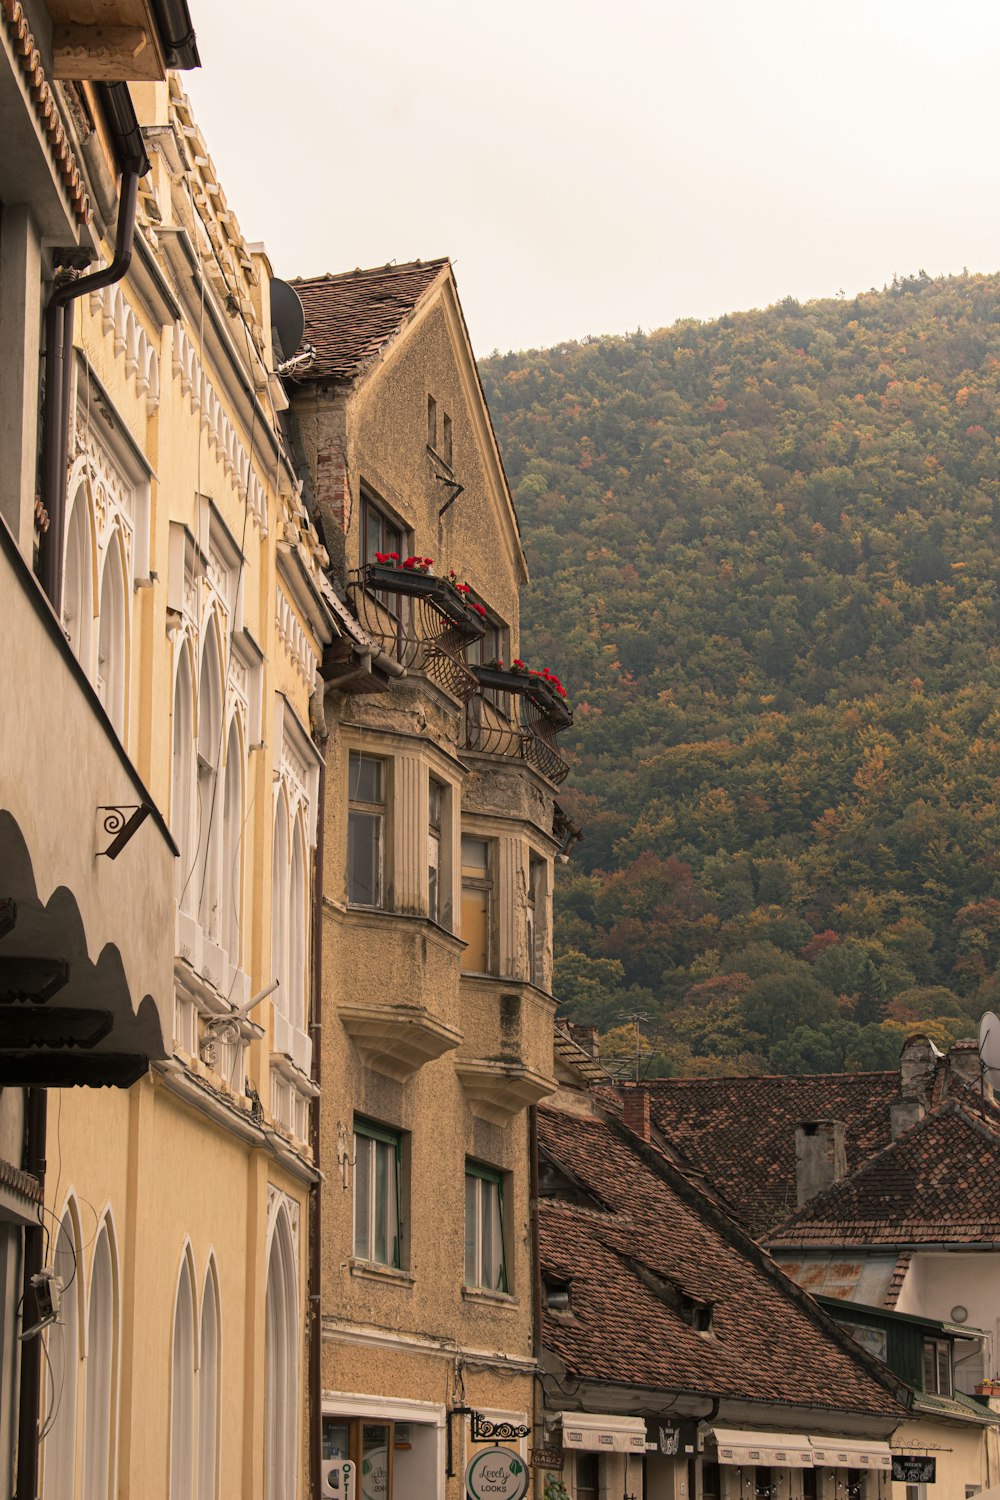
{"x": 378, "y": 578}
{"x": 453, "y": 606}
{"x": 533, "y": 686}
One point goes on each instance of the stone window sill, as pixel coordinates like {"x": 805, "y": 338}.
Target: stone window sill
{"x": 372, "y": 1271}
{"x": 483, "y": 1295}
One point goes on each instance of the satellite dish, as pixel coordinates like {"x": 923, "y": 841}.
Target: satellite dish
{"x": 288, "y": 321}
{"x": 989, "y": 1047}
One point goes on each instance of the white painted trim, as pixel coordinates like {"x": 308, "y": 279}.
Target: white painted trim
{"x": 383, "y": 1338}
{"x": 350, "y": 1404}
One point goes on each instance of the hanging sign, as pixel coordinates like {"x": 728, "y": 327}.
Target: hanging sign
{"x": 496, "y": 1474}
{"x": 338, "y": 1479}
{"x": 909, "y": 1468}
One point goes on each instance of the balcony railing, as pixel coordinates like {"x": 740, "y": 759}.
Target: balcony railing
{"x": 527, "y": 729}
{"x": 420, "y": 621}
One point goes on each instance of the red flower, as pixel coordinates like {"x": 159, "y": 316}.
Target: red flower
{"x": 428, "y": 562}
{"x": 518, "y": 662}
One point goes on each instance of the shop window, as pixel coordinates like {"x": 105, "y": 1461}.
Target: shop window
{"x": 485, "y": 1250}
{"x": 377, "y": 1217}
{"x": 477, "y": 905}
{"x": 588, "y": 1476}
{"x": 711, "y": 1480}
{"x": 810, "y": 1486}
{"x": 937, "y": 1367}
{"x": 765, "y": 1487}
{"x": 371, "y": 1446}
{"x": 855, "y": 1484}
{"x": 366, "y": 830}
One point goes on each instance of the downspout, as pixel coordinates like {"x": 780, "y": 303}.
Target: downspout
{"x": 315, "y": 1202}
{"x": 58, "y": 383}
{"x": 30, "y": 1392}
{"x": 538, "y": 1420}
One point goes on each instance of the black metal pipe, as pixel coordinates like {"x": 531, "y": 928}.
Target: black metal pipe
{"x": 30, "y": 1392}
{"x": 315, "y": 1201}
{"x": 58, "y": 378}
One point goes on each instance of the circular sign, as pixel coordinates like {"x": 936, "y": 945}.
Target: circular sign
{"x": 496, "y": 1474}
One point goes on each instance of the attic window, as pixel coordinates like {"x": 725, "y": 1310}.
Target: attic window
{"x": 696, "y": 1313}
{"x": 439, "y": 440}
{"x": 557, "y": 1294}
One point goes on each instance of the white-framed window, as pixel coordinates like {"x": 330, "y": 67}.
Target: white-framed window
{"x": 78, "y": 610}
{"x": 937, "y": 1367}
{"x": 435, "y": 815}
{"x": 366, "y": 829}
{"x": 183, "y": 1381}
{"x": 208, "y": 873}
{"x": 63, "y": 1342}
{"x": 485, "y": 1240}
{"x": 536, "y": 898}
{"x": 113, "y": 635}
{"x": 281, "y": 1363}
{"x": 99, "y": 1425}
{"x": 377, "y": 1172}
{"x": 182, "y": 780}
{"x": 232, "y": 847}
{"x": 478, "y": 918}
{"x": 209, "y": 1370}
{"x": 280, "y": 874}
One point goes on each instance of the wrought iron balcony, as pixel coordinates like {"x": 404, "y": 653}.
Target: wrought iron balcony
{"x": 419, "y": 620}
{"x": 516, "y": 714}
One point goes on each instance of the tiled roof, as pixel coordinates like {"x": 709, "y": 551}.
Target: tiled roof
{"x": 960, "y": 1406}
{"x": 769, "y": 1342}
{"x": 350, "y": 317}
{"x": 938, "y": 1183}
{"x": 740, "y": 1132}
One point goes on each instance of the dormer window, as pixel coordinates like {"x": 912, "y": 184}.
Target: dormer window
{"x": 697, "y": 1314}
{"x": 557, "y": 1293}
{"x": 937, "y": 1367}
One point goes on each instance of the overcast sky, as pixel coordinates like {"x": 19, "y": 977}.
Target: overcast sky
{"x": 598, "y": 167}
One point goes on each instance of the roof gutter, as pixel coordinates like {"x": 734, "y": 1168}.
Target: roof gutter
{"x": 180, "y": 45}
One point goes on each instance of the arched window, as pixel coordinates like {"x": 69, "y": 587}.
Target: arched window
{"x": 281, "y": 1369}
{"x": 182, "y": 1388}
{"x": 210, "y": 814}
{"x": 182, "y": 781}
{"x": 112, "y": 645}
{"x": 297, "y": 932}
{"x": 208, "y": 1390}
{"x": 99, "y": 1414}
{"x": 232, "y": 847}
{"x": 59, "y": 1450}
{"x": 279, "y": 905}
{"x": 78, "y": 582}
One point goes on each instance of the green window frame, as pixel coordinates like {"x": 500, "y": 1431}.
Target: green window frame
{"x": 378, "y": 1216}
{"x": 485, "y": 1229}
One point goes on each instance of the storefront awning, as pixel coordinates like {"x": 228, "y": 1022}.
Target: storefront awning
{"x": 598, "y": 1434}
{"x": 779, "y": 1450}
{"x": 850, "y": 1453}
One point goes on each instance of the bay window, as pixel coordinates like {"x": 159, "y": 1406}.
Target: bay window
{"x": 478, "y": 860}
{"x": 366, "y": 830}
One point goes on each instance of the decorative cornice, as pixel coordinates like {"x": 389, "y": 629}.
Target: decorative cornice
{"x": 46, "y": 109}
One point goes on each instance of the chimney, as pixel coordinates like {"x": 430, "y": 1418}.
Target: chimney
{"x": 820, "y": 1157}
{"x": 964, "y": 1063}
{"x": 904, "y": 1114}
{"x": 917, "y": 1065}
{"x": 585, "y": 1037}
{"x": 636, "y": 1101}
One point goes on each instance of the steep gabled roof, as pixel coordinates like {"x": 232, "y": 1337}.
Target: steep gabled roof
{"x": 350, "y": 317}
{"x": 659, "y": 1241}
{"x": 740, "y": 1132}
{"x": 939, "y": 1183}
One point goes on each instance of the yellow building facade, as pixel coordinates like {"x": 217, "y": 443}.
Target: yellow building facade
{"x": 440, "y": 838}
{"x": 160, "y": 802}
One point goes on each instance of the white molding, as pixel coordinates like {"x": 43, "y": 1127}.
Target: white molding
{"x": 371, "y": 1337}
{"x": 351, "y": 1404}
{"x": 203, "y": 401}
{"x": 142, "y": 362}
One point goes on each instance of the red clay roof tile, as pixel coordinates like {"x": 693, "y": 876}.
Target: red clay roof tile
{"x": 352, "y": 316}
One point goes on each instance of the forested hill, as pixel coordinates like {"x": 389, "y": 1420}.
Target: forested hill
{"x": 765, "y": 557}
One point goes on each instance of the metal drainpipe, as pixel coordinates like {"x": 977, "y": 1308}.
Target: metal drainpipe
{"x": 30, "y": 1392}
{"x": 58, "y": 384}
{"x": 315, "y": 1204}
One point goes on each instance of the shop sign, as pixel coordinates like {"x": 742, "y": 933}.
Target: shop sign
{"x": 338, "y": 1479}
{"x": 496, "y": 1474}
{"x": 547, "y": 1458}
{"x": 910, "y": 1468}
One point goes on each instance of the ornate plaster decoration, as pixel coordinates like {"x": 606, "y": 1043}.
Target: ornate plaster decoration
{"x": 295, "y": 640}
{"x": 222, "y": 435}
{"x": 142, "y": 363}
